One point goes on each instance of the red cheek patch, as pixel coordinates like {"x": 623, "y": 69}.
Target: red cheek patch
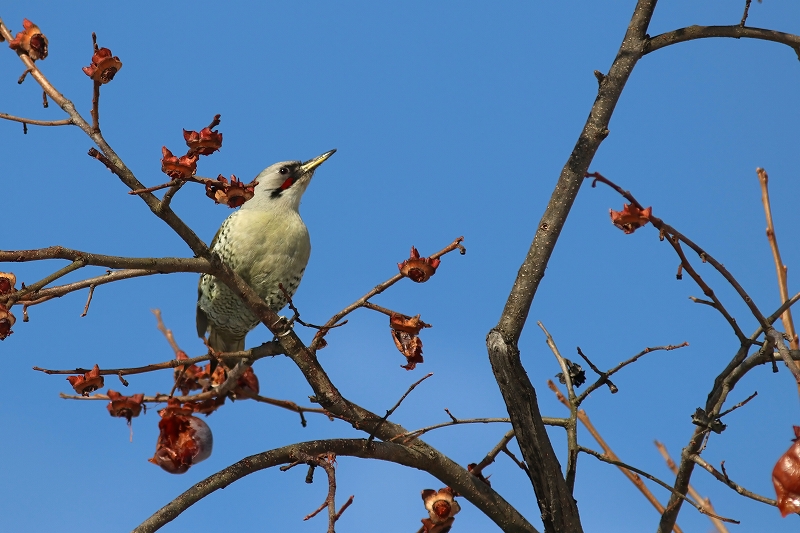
{"x": 286, "y": 184}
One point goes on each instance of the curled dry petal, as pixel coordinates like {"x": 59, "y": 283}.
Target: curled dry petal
{"x": 203, "y": 142}
{"x": 183, "y": 440}
{"x": 248, "y": 382}
{"x": 429, "y": 526}
{"x": 176, "y": 167}
{"x": 786, "y": 477}
{"x": 89, "y": 382}
{"x": 30, "y": 41}
{"x": 418, "y": 269}
{"x": 6, "y": 321}
{"x": 408, "y": 324}
{"x": 233, "y": 193}
{"x": 205, "y": 407}
{"x": 189, "y": 378}
{"x": 124, "y": 406}
{"x": 478, "y": 474}
{"x": 410, "y": 346}
{"x": 630, "y": 218}
{"x": 7, "y": 282}
{"x": 104, "y": 66}
{"x": 440, "y": 505}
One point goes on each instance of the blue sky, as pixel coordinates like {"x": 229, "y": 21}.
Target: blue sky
{"x": 448, "y": 121}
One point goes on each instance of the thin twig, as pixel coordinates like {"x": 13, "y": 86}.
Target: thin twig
{"x": 167, "y": 332}
{"x": 315, "y": 343}
{"x": 392, "y": 410}
{"x": 34, "y": 122}
{"x": 410, "y": 435}
{"x": 88, "y": 301}
{"x": 738, "y": 405}
{"x": 603, "y": 375}
{"x": 699, "y": 461}
{"x": 493, "y": 453}
{"x": 95, "y": 96}
{"x": 620, "y": 464}
{"x": 705, "y": 502}
{"x": 572, "y": 426}
{"x": 786, "y": 318}
{"x": 625, "y": 363}
{"x": 268, "y": 349}
{"x": 746, "y": 9}
{"x": 636, "y": 480}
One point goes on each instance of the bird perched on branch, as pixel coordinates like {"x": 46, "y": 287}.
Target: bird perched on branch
{"x": 267, "y": 244}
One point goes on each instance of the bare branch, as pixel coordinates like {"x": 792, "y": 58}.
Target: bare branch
{"x": 726, "y": 480}
{"x": 34, "y": 122}
{"x": 705, "y": 502}
{"x": 385, "y": 451}
{"x": 736, "y": 32}
{"x": 786, "y": 318}
{"x": 642, "y": 473}
{"x": 455, "y": 245}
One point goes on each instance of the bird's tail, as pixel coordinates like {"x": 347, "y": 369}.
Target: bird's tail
{"x": 223, "y": 341}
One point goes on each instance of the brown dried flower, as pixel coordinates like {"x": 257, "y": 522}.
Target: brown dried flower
{"x": 429, "y": 526}
{"x": 104, "y": 66}
{"x": 410, "y": 346}
{"x": 203, "y": 142}
{"x": 630, "y": 218}
{"x": 30, "y": 41}
{"x": 176, "y": 167}
{"x": 418, "y": 269}
{"x": 189, "y": 378}
{"x": 205, "y": 407}
{"x": 233, "y": 193}
{"x": 183, "y": 439}
{"x": 408, "y": 324}
{"x": 247, "y": 383}
{"x": 124, "y": 406}
{"x": 440, "y": 505}
{"x": 786, "y": 477}
{"x": 7, "y": 282}
{"x": 6, "y": 321}
{"x": 89, "y": 382}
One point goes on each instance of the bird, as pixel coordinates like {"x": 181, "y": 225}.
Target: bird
{"x": 267, "y": 244}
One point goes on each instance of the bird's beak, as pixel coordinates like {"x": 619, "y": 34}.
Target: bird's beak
{"x": 311, "y": 164}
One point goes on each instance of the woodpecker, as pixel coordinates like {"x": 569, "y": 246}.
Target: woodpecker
{"x": 267, "y": 244}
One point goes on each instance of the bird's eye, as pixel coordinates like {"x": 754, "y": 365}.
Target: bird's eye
{"x": 283, "y": 170}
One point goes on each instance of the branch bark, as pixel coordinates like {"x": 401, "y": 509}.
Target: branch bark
{"x": 558, "y": 508}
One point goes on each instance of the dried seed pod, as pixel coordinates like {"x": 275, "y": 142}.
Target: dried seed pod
{"x": 183, "y": 440}
{"x": 89, "y": 382}
{"x": 630, "y": 218}
{"x": 786, "y": 477}
{"x": 418, "y": 269}
{"x": 104, "y": 66}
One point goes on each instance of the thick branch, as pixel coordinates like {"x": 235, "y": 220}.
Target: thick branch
{"x": 737, "y": 32}
{"x": 384, "y": 451}
{"x": 559, "y": 512}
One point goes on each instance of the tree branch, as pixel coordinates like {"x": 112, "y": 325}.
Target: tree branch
{"x": 384, "y": 451}
{"x": 559, "y": 512}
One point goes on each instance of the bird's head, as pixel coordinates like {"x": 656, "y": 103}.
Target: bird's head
{"x": 283, "y": 184}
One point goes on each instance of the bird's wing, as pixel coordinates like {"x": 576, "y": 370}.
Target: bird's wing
{"x": 201, "y": 319}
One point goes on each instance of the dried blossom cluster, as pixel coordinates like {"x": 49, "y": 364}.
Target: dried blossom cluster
{"x": 183, "y": 439}
{"x": 630, "y": 218}
{"x": 7, "y": 319}
{"x": 418, "y": 269}
{"x": 404, "y": 333}
{"x": 786, "y": 477}
{"x": 441, "y": 507}
{"x": 88, "y": 382}
{"x": 104, "y": 66}
{"x": 30, "y": 41}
